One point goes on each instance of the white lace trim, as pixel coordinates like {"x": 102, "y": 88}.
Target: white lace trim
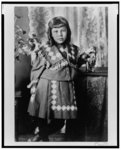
{"x": 64, "y": 108}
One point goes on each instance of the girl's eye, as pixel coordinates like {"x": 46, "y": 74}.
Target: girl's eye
{"x": 63, "y": 30}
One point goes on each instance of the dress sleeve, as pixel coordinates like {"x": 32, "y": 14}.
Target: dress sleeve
{"x": 38, "y": 66}
{"x": 38, "y": 62}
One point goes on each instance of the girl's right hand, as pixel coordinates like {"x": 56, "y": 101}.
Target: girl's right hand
{"x": 33, "y": 89}
{"x": 32, "y": 83}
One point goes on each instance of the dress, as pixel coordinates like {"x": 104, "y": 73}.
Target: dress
{"x": 54, "y": 93}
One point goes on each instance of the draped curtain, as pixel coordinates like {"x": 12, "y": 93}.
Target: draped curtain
{"x": 89, "y": 26}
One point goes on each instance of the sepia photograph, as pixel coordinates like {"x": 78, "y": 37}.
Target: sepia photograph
{"x": 60, "y": 74}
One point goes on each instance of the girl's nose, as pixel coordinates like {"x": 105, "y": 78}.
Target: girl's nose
{"x": 60, "y": 33}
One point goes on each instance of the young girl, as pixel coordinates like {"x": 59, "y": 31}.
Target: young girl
{"x": 53, "y": 98}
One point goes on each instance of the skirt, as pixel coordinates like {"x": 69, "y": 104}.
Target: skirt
{"x": 54, "y": 99}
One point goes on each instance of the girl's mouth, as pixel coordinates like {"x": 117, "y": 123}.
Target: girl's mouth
{"x": 60, "y": 39}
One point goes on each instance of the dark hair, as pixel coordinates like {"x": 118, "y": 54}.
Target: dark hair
{"x": 57, "y": 22}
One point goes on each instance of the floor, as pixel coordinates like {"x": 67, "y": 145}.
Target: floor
{"x": 59, "y": 137}
{"x": 25, "y": 128}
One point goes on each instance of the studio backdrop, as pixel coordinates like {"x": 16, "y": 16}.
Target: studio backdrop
{"x": 89, "y": 25}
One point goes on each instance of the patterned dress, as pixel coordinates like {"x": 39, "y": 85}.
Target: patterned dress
{"x": 53, "y": 92}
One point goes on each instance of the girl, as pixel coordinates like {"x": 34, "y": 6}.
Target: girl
{"x": 54, "y": 68}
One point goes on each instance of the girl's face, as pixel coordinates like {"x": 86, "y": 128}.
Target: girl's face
{"x": 59, "y": 34}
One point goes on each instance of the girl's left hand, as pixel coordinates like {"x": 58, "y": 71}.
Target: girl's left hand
{"x": 90, "y": 50}
{"x": 92, "y": 59}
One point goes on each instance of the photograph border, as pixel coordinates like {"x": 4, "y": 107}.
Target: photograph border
{"x": 3, "y": 73}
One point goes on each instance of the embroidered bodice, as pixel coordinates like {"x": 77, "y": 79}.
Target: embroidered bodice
{"x": 62, "y": 62}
